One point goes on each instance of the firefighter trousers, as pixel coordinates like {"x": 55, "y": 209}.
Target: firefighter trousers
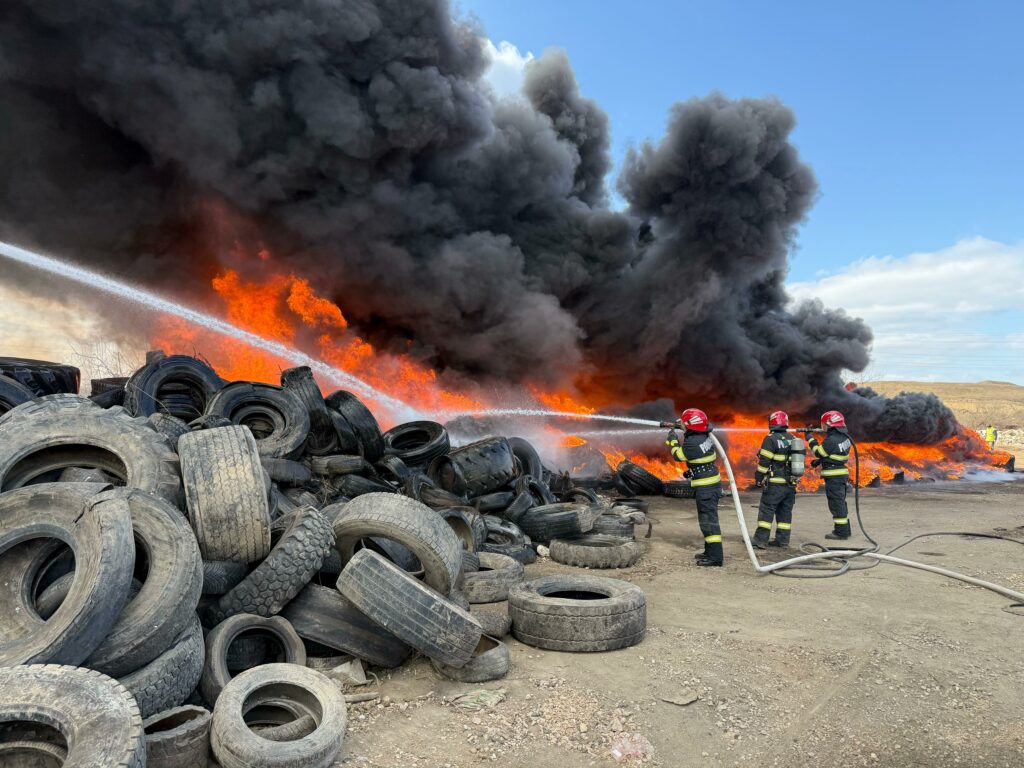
{"x": 835, "y": 492}
{"x": 776, "y": 505}
{"x": 707, "y": 519}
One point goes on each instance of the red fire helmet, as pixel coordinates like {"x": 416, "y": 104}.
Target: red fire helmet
{"x": 695, "y": 419}
{"x": 832, "y": 419}
{"x": 778, "y": 419}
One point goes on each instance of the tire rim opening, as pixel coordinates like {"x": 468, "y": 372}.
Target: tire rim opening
{"x": 574, "y": 594}
{"x": 46, "y": 464}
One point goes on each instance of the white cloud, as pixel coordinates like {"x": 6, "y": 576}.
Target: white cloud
{"x": 955, "y": 314}
{"x": 505, "y": 73}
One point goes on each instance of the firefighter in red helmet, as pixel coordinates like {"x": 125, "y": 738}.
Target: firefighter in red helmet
{"x": 773, "y": 474}
{"x": 698, "y": 451}
{"x": 832, "y": 454}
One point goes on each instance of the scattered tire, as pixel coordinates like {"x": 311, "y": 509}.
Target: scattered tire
{"x": 461, "y": 524}
{"x": 337, "y": 465}
{"x": 490, "y": 584}
{"x": 178, "y": 738}
{"x": 169, "y": 426}
{"x": 327, "y": 617}
{"x": 493, "y": 502}
{"x": 357, "y": 485}
{"x": 470, "y": 561}
{"x": 490, "y": 661}
{"x": 322, "y": 438}
{"x": 582, "y": 495}
{"x": 528, "y": 457}
{"x": 522, "y": 553}
{"x": 679, "y": 489}
{"x": 555, "y": 521}
{"x": 96, "y": 716}
{"x": 167, "y": 681}
{"x": 39, "y": 439}
{"x": 224, "y": 488}
{"x": 639, "y": 479}
{"x": 501, "y": 531}
{"x": 439, "y": 498}
{"x": 484, "y": 466}
{"x": 361, "y": 422}
{"x": 286, "y": 471}
{"x": 578, "y": 614}
{"x": 275, "y": 416}
{"x": 179, "y": 385}
{"x": 596, "y": 551}
{"x": 296, "y": 729}
{"x": 99, "y": 529}
{"x": 108, "y": 384}
{"x": 275, "y": 631}
{"x": 13, "y": 394}
{"x": 412, "y": 612}
{"x": 347, "y": 441}
{"x": 407, "y": 522}
{"x": 417, "y": 443}
{"x": 236, "y": 746}
{"x": 221, "y": 576}
{"x": 611, "y": 524}
{"x": 209, "y": 421}
{"x": 493, "y": 623}
{"x": 538, "y": 490}
{"x": 296, "y": 557}
{"x": 83, "y": 475}
{"x": 522, "y": 504}
{"x": 41, "y": 377}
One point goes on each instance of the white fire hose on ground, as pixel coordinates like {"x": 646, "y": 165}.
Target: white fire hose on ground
{"x": 842, "y": 557}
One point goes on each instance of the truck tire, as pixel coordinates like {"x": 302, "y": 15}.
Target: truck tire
{"x": 461, "y": 524}
{"x": 169, "y": 426}
{"x": 484, "y": 466}
{"x": 41, "y": 438}
{"x": 556, "y": 521}
{"x": 596, "y": 551}
{"x": 411, "y": 611}
{"x": 327, "y": 617}
{"x": 322, "y": 438}
{"x": 679, "y": 489}
{"x": 99, "y": 528}
{"x": 178, "y": 738}
{"x": 407, "y": 522}
{"x": 639, "y": 479}
{"x": 41, "y": 377}
{"x": 293, "y": 562}
{"x": 227, "y": 501}
{"x": 274, "y": 630}
{"x": 360, "y": 421}
{"x": 417, "y": 443}
{"x": 577, "y": 614}
{"x": 275, "y": 416}
{"x": 168, "y": 680}
{"x": 109, "y": 384}
{"x": 13, "y": 394}
{"x": 490, "y": 661}
{"x": 178, "y": 384}
{"x": 491, "y": 583}
{"x": 96, "y": 715}
{"x": 236, "y": 746}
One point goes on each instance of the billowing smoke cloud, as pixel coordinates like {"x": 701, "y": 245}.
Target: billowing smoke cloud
{"x": 359, "y": 142}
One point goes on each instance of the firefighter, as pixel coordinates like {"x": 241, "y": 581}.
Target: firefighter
{"x": 831, "y": 455}
{"x": 991, "y": 435}
{"x": 698, "y": 451}
{"x": 774, "y": 476}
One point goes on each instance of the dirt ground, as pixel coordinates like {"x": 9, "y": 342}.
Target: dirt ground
{"x": 888, "y": 667}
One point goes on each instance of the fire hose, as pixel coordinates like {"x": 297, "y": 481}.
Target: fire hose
{"x": 843, "y": 557}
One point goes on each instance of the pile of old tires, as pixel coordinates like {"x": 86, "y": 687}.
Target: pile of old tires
{"x": 179, "y": 548}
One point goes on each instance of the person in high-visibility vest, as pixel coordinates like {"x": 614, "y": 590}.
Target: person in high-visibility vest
{"x": 991, "y": 435}
{"x": 831, "y": 454}
{"x": 698, "y": 451}
{"x": 773, "y": 475}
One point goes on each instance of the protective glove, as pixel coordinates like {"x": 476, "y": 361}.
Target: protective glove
{"x": 816, "y": 463}
{"x": 759, "y": 481}
{"x": 808, "y": 437}
{"x": 672, "y": 439}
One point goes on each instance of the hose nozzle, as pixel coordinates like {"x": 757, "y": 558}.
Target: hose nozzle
{"x": 677, "y": 424}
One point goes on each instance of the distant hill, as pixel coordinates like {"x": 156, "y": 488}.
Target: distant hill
{"x": 976, "y": 405}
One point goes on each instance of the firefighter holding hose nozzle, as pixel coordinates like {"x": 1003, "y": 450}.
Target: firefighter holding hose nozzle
{"x": 832, "y": 454}
{"x": 698, "y": 451}
{"x": 778, "y": 475}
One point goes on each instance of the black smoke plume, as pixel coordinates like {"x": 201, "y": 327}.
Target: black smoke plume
{"x": 359, "y": 140}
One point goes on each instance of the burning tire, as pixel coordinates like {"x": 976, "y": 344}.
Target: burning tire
{"x": 179, "y": 385}
{"x": 168, "y": 680}
{"x": 327, "y": 617}
{"x": 417, "y": 443}
{"x": 275, "y": 416}
{"x": 411, "y": 611}
{"x": 408, "y": 523}
{"x": 96, "y": 716}
{"x": 99, "y": 530}
{"x": 578, "y": 614}
{"x": 361, "y": 423}
{"x": 273, "y": 631}
{"x": 226, "y": 498}
{"x": 323, "y": 438}
{"x": 13, "y": 394}
{"x": 178, "y": 738}
{"x": 300, "y": 550}
{"x": 490, "y": 661}
{"x": 236, "y": 746}
{"x": 639, "y": 479}
{"x": 40, "y": 439}
{"x": 41, "y": 377}
{"x": 492, "y": 581}
{"x": 596, "y": 551}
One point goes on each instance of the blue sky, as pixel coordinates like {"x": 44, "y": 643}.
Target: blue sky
{"x": 911, "y": 114}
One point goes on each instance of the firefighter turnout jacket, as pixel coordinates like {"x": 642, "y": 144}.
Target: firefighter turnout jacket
{"x": 773, "y": 459}
{"x": 833, "y": 452}
{"x": 698, "y": 451}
